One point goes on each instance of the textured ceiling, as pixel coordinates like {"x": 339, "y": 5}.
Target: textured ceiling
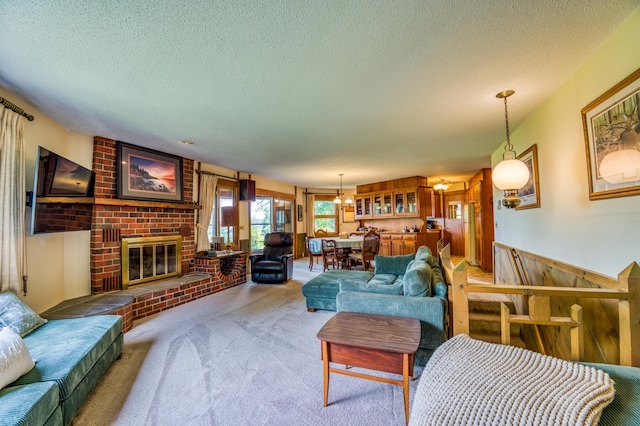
{"x": 300, "y": 91}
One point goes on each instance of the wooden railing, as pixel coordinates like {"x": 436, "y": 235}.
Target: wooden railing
{"x": 538, "y": 307}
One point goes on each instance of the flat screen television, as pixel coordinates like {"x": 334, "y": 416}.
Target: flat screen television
{"x": 57, "y": 178}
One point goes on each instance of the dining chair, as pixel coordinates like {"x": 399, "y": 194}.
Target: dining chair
{"x": 321, "y": 233}
{"x": 329, "y": 254}
{"x": 370, "y": 247}
{"x": 311, "y": 253}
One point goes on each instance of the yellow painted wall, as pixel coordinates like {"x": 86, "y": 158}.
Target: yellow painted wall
{"x": 58, "y": 263}
{"x": 600, "y": 235}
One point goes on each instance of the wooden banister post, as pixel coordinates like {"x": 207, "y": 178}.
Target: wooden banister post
{"x": 577, "y": 333}
{"x": 629, "y": 316}
{"x": 460, "y": 299}
{"x": 505, "y": 325}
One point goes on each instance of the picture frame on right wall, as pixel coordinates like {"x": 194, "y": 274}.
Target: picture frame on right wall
{"x": 530, "y": 193}
{"x": 612, "y": 137}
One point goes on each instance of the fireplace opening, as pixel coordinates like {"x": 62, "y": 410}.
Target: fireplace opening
{"x": 150, "y": 258}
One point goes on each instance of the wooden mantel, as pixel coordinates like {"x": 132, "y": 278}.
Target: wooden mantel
{"x": 118, "y": 202}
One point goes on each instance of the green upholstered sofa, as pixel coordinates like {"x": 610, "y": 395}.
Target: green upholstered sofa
{"x": 625, "y": 408}
{"x": 71, "y": 355}
{"x": 404, "y": 286}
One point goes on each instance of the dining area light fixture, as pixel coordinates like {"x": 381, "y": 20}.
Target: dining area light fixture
{"x": 442, "y": 185}
{"x": 510, "y": 174}
{"x": 338, "y": 199}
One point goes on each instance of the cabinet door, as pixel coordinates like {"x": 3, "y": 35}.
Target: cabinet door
{"x": 411, "y": 198}
{"x": 387, "y": 203}
{"x": 368, "y": 206}
{"x": 398, "y": 204}
{"x": 385, "y": 245}
{"x": 377, "y": 204}
{"x": 397, "y": 245}
{"x": 382, "y": 204}
{"x": 362, "y": 206}
{"x": 359, "y": 207}
{"x": 409, "y": 244}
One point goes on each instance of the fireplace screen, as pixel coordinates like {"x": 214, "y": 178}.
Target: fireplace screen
{"x": 150, "y": 258}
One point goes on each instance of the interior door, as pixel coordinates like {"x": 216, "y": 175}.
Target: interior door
{"x": 453, "y": 224}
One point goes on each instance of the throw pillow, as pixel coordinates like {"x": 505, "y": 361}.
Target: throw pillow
{"x": 417, "y": 279}
{"x": 467, "y": 381}
{"x": 423, "y": 253}
{"x": 15, "y": 359}
{"x": 17, "y": 315}
{"x": 395, "y": 265}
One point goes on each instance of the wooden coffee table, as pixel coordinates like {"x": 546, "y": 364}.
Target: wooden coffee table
{"x": 376, "y": 342}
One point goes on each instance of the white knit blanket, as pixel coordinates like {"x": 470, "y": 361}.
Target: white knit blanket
{"x": 470, "y": 382}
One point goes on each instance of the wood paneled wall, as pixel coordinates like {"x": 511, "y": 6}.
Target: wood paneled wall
{"x": 601, "y": 316}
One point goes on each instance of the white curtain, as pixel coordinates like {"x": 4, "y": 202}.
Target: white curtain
{"x": 208, "y": 185}
{"x": 309, "y": 216}
{"x": 13, "y": 260}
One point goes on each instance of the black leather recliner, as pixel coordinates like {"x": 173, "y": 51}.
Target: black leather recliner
{"x": 275, "y": 264}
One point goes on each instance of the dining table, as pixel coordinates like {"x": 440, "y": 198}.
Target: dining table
{"x": 315, "y": 244}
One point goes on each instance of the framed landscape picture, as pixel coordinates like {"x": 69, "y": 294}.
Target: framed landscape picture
{"x": 145, "y": 174}
{"x": 612, "y": 137}
{"x": 530, "y": 193}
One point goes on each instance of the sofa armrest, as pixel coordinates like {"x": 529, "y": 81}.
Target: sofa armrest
{"x": 431, "y": 311}
{"x": 256, "y": 258}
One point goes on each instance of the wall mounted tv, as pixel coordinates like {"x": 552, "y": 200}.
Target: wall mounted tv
{"x": 56, "y": 182}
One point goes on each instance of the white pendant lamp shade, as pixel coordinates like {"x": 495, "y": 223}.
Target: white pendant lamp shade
{"x": 621, "y": 166}
{"x": 510, "y": 174}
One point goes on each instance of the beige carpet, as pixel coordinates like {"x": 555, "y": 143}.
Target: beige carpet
{"x": 246, "y": 356}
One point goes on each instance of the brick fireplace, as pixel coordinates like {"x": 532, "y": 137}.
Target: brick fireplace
{"x": 114, "y": 219}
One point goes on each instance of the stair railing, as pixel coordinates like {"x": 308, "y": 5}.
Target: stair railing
{"x": 627, "y": 295}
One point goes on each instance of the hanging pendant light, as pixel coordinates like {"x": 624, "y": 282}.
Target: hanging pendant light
{"x": 510, "y": 174}
{"x": 338, "y": 200}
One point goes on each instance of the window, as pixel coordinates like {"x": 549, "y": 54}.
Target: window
{"x": 269, "y": 214}
{"x": 325, "y": 214}
{"x": 261, "y": 220}
{"x": 226, "y": 196}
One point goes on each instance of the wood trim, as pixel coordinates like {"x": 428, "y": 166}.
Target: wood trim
{"x": 275, "y": 194}
{"x": 116, "y": 202}
{"x": 594, "y": 277}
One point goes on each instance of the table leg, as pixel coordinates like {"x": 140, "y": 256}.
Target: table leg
{"x": 405, "y": 381}
{"x": 325, "y": 370}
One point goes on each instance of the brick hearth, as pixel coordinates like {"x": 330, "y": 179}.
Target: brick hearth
{"x": 111, "y": 222}
{"x": 113, "y": 219}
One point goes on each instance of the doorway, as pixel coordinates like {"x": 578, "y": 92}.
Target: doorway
{"x": 453, "y": 223}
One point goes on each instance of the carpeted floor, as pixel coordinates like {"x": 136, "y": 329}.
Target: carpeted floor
{"x": 245, "y": 356}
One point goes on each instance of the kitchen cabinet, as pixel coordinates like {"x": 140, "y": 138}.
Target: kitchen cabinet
{"x": 363, "y": 206}
{"x": 432, "y": 238}
{"x": 383, "y": 204}
{"x": 399, "y": 198}
{"x": 401, "y": 243}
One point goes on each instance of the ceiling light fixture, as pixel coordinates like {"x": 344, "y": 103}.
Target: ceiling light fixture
{"x": 338, "y": 200}
{"x": 442, "y": 185}
{"x": 510, "y": 174}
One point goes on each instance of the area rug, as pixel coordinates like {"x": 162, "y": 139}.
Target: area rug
{"x": 248, "y": 355}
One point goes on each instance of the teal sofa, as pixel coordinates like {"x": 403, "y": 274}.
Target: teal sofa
{"x": 71, "y": 356}
{"x": 404, "y": 286}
